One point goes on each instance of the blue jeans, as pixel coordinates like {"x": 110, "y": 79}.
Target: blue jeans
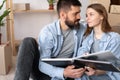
{"x": 100, "y": 77}
{"x": 28, "y": 61}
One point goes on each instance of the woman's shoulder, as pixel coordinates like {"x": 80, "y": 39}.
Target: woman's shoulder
{"x": 115, "y": 37}
{"x": 114, "y": 34}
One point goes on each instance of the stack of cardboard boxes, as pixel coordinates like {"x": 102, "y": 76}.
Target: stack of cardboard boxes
{"x": 114, "y": 16}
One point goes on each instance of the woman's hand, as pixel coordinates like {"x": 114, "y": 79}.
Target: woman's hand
{"x": 71, "y": 72}
{"x": 91, "y": 71}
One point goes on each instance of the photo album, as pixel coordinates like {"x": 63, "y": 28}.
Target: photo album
{"x": 103, "y": 60}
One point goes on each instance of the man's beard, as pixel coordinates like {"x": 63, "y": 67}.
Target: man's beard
{"x": 72, "y": 25}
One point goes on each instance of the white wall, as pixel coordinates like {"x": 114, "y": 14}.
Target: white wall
{"x": 83, "y": 8}
{"x": 30, "y": 24}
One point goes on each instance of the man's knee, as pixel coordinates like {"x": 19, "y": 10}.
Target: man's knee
{"x": 29, "y": 40}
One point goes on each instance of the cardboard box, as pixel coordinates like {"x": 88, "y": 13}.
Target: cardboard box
{"x": 5, "y": 58}
{"x": 114, "y": 19}
{"x": 116, "y": 29}
{"x": 21, "y": 6}
{"x": 115, "y": 9}
{"x": 106, "y": 3}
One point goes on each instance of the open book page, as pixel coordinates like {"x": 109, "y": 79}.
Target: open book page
{"x": 98, "y": 65}
{"x": 100, "y": 60}
{"x": 61, "y": 62}
{"x": 99, "y": 56}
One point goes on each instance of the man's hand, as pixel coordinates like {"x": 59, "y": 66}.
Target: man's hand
{"x": 71, "y": 72}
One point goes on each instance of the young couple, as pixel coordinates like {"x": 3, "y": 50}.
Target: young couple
{"x": 67, "y": 38}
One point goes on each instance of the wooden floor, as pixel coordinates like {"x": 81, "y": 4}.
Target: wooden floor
{"x": 10, "y": 75}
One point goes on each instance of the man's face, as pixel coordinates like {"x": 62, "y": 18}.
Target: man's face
{"x": 73, "y": 17}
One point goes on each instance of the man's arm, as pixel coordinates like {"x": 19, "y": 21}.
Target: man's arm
{"x": 46, "y": 47}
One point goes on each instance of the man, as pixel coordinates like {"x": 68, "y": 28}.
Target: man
{"x": 62, "y": 38}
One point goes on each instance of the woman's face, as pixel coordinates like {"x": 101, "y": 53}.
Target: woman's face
{"x": 93, "y": 18}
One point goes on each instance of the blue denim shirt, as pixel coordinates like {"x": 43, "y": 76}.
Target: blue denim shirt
{"x": 50, "y": 42}
{"x": 110, "y": 41}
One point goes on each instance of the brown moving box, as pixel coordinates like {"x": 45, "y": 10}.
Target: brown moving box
{"x": 115, "y": 9}
{"x": 5, "y": 58}
{"x": 106, "y": 3}
{"x": 114, "y": 19}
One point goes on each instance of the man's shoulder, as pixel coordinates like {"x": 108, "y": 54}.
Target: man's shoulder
{"x": 51, "y": 28}
{"x": 51, "y": 25}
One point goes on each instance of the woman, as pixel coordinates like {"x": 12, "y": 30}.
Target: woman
{"x": 99, "y": 37}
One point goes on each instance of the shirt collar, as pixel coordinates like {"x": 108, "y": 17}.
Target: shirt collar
{"x": 58, "y": 28}
{"x": 105, "y": 36}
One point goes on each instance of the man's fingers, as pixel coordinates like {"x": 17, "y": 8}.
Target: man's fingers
{"x": 71, "y": 67}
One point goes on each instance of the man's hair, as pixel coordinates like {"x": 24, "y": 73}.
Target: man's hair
{"x": 66, "y": 5}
